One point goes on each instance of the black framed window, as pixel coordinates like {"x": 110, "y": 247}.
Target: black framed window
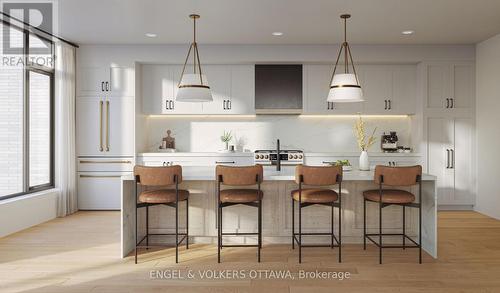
{"x": 26, "y": 114}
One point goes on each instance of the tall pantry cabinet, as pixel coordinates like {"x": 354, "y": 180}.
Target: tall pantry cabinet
{"x": 448, "y": 111}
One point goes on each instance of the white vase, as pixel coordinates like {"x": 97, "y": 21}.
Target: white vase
{"x": 364, "y": 162}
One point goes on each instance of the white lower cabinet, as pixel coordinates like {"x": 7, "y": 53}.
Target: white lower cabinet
{"x": 450, "y": 158}
{"x": 100, "y": 190}
{"x": 195, "y": 160}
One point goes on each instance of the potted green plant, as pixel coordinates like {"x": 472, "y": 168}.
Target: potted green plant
{"x": 226, "y": 137}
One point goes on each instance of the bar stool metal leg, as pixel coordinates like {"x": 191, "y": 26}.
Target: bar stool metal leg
{"x": 187, "y": 223}
{"x": 300, "y": 231}
{"x": 380, "y": 232}
{"x": 340, "y": 222}
{"x": 404, "y": 227}
{"x": 333, "y": 222}
{"x": 219, "y": 238}
{"x": 293, "y": 223}
{"x": 136, "y": 237}
{"x": 420, "y": 221}
{"x": 260, "y": 231}
{"x": 147, "y": 227}
{"x": 364, "y": 224}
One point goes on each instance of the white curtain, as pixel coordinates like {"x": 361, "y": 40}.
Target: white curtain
{"x": 65, "y": 161}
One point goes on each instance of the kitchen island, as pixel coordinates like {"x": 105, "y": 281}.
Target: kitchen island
{"x": 201, "y": 183}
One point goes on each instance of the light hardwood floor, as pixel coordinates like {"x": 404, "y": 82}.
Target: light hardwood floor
{"x": 79, "y": 254}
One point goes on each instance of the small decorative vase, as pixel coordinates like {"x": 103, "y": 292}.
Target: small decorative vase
{"x": 227, "y": 145}
{"x": 364, "y": 163}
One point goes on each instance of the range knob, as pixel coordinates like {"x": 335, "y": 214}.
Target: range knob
{"x": 267, "y": 156}
{"x": 256, "y": 156}
{"x": 300, "y": 157}
{"x": 295, "y": 156}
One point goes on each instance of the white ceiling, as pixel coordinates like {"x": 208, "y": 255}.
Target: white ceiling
{"x": 301, "y": 21}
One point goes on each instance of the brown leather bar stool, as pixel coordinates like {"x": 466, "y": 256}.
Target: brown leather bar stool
{"x": 395, "y": 176}
{"x": 239, "y": 176}
{"x": 166, "y": 181}
{"x": 317, "y": 176}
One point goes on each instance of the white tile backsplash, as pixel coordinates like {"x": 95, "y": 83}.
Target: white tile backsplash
{"x": 308, "y": 133}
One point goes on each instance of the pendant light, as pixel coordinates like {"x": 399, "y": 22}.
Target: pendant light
{"x": 345, "y": 87}
{"x": 193, "y": 87}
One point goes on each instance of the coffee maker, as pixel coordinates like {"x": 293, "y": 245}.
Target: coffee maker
{"x": 389, "y": 142}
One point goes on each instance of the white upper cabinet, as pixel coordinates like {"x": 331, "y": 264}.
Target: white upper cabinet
{"x": 219, "y": 80}
{"x": 232, "y": 88}
{"x": 404, "y": 90}
{"x": 377, "y": 88}
{"x": 387, "y": 89}
{"x": 449, "y": 85}
{"x": 159, "y": 86}
{"x": 106, "y": 81}
{"x": 316, "y": 87}
{"x": 242, "y": 100}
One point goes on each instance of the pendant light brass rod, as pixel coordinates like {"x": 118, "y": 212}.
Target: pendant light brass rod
{"x": 336, "y": 63}
{"x": 199, "y": 63}
{"x": 352, "y": 63}
{"x": 346, "y": 60}
{"x": 194, "y": 43}
{"x": 184, "y": 67}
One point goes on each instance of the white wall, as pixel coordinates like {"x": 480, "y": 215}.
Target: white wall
{"x": 23, "y": 212}
{"x": 487, "y": 123}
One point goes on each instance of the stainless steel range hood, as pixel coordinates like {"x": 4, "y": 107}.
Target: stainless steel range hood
{"x": 278, "y": 89}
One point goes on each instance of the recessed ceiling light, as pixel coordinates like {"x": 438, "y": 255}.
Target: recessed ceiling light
{"x": 408, "y": 32}
{"x": 150, "y": 35}
{"x": 277, "y": 34}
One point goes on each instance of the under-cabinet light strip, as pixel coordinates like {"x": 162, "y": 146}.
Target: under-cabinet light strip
{"x": 301, "y": 116}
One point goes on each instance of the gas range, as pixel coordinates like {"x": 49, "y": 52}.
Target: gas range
{"x": 270, "y": 157}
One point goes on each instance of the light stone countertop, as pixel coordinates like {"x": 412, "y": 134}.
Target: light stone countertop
{"x": 205, "y": 173}
{"x": 250, "y": 154}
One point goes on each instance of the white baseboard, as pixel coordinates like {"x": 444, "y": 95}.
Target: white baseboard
{"x": 455, "y": 207}
{"x": 25, "y": 211}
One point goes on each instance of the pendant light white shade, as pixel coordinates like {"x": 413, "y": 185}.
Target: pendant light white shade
{"x": 192, "y": 89}
{"x": 345, "y": 88}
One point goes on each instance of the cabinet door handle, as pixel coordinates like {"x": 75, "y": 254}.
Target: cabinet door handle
{"x": 105, "y": 162}
{"x": 230, "y": 104}
{"x": 107, "y": 86}
{"x": 100, "y": 126}
{"x": 328, "y": 105}
{"x": 385, "y": 101}
{"x": 224, "y": 104}
{"x": 390, "y": 104}
{"x": 172, "y": 104}
{"x": 100, "y": 176}
{"x": 328, "y": 162}
{"x": 452, "y": 103}
{"x": 452, "y": 159}
{"x": 447, "y": 159}
{"x": 107, "y": 126}
{"x": 224, "y": 162}
{"x": 102, "y": 86}
{"x": 332, "y": 106}
{"x": 447, "y": 103}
